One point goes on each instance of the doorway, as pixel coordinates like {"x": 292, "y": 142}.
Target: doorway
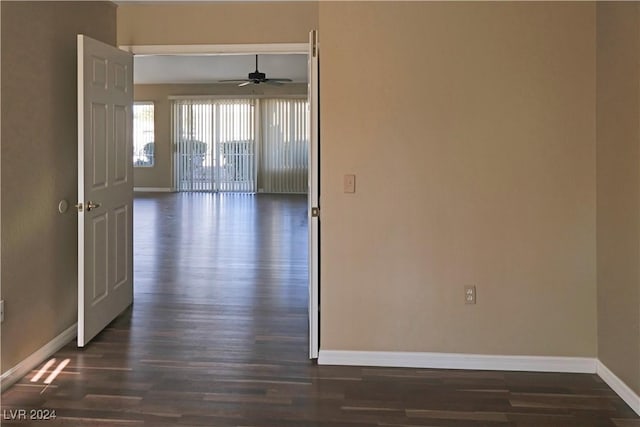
{"x": 312, "y": 208}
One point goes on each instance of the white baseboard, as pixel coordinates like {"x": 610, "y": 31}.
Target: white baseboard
{"x": 457, "y": 361}
{"x": 586, "y": 365}
{"x": 153, "y": 190}
{"x": 617, "y": 385}
{"x": 23, "y": 368}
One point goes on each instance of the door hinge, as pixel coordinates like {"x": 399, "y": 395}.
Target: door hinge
{"x": 315, "y": 212}
{"x": 315, "y": 44}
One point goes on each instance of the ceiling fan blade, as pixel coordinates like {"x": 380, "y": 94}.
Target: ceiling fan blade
{"x": 273, "y": 82}
{"x": 233, "y": 81}
{"x": 246, "y": 83}
{"x": 280, "y": 80}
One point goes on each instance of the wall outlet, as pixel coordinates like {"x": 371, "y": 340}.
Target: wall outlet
{"x": 469, "y": 294}
{"x": 1, "y": 311}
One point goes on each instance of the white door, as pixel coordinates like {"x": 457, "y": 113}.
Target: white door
{"x": 105, "y": 185}
{"x": 313, "y": 199}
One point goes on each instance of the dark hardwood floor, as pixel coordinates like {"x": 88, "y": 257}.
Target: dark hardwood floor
{"x": 217, "y": 336}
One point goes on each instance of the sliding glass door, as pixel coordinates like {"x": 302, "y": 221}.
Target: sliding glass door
{"x": 241, "y": 145}
{"x": 215, "y": 145}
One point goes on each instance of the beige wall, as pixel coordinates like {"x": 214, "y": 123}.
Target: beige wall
{"x": 160, "y": 175}
{"x": 217, "y": 23}
{"x": 474, "y": 150}
{"x": 39, "y": 156}
{"x": 618, "y": 189}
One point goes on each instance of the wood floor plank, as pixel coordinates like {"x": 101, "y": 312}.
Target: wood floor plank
{"x": 217, "y": 336}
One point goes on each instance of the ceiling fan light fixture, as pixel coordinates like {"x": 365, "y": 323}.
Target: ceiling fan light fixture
{"x": 257, "y": 75}
{"x": 256, "y": 78}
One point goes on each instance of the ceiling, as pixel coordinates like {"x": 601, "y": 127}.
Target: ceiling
{"x": 159, "y": 69}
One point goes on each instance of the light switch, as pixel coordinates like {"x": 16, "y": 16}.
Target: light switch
{"x": 349, "y": 183}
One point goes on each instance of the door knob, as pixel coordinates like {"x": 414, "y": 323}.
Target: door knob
{"x": 92, "y": 205}
{"x": 89, "y": 206}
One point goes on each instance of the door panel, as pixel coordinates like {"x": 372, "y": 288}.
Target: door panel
{"x": 100, "y": 258}
{"x": 99, "y": 68}
{"x": 99, "y": 145}
{"x": 105, "y": 185}
{"x": 121, "y": 273}
{"x": 121, "y": 155}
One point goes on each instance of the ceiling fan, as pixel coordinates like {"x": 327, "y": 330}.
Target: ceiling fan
{"x": 257, "y": 78}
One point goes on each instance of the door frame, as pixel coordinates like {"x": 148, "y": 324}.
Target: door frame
{"x": 239, "y": 49}
{"x": 216, "y": 49}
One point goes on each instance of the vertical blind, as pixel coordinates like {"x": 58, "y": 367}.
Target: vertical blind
{"x": 217, "y": 141}
{"x": 284, "y": 150}
{"x": 215, "y": 145}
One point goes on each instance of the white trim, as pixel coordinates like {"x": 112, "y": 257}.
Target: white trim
{"x": 81, "y": 192}
{"x": 458, "y": 361}
{"x": 31, "y": 362}
{"x": 217, "y": 49}
{"x": 313, "y": 198}
{"x": 153, "y": 190}
{"x": 619, "y": 387}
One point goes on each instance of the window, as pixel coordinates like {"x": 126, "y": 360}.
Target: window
{"x": 215, "y": 145}
{"x": 218, "y": 147}
{"x": 143, "y": 134}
